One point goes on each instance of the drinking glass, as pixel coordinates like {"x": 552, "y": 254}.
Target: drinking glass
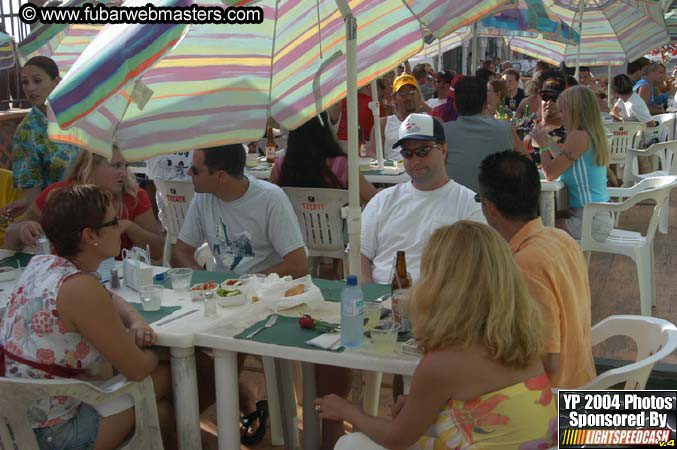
{"x": 384, "y": 336}
{"x": 372, "y": 314}
{"x": 181, "y": 279}
{"x": 150, "y": 297}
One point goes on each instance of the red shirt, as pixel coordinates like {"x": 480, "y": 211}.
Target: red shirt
{"x": 365, "y": 118}
{"x": 131, "y": 207}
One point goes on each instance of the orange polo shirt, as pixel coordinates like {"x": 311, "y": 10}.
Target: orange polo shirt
{"x": 556, "y": 273}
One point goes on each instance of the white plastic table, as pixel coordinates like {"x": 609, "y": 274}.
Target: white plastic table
{"x": 546, "y": 200}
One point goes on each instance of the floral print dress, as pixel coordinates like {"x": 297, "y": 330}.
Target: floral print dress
{"x": 37, "y": 161}
{"x": 522, "y": 416}
{"x": 32, "y": 330}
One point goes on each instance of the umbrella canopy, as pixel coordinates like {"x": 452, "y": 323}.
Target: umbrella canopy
{"x": 612, "y": 32}
{"x": 64, "y": 43}
{"x": 204, "y": 93}
{"x": 671, "y": 23}
{"x": 6, "y": 51}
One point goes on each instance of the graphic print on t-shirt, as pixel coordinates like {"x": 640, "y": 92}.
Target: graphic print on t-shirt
{"x": 231, "y": 251}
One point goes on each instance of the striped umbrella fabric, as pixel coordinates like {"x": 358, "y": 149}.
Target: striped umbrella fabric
{"x": 613, "y": 31}
{"x": 6, "y": 51}
{"x": 220, "y": 83}
{"x": 64, "y": 43}
{"x": 671, "y": 24}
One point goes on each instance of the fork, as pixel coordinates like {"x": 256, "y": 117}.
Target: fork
{"x": 269, "y": 323}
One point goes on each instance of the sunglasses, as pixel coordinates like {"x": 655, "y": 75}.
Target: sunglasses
{"x": 406, "y": 94}
{"x": 549, "y": 97}
{"x": 478, "y": 198}
{"x": 113, "y": 223}
{"x": 421, "y": 152}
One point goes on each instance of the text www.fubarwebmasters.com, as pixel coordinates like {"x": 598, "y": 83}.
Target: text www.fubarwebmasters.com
{"x": 102, "y": 14}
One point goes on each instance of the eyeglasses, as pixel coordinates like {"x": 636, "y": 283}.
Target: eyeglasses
{"x": 112, "y": 223}
{"x": 549, "y": 97}
{"x": 421, "y": 152}
{"x": 406, "y": 94}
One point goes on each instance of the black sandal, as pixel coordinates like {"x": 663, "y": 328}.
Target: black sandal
{"x": 247, "y": 421}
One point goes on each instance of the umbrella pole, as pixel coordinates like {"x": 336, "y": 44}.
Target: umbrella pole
{"x": 376, "y": 111}
{"x": 439, "y": 54}
{"x": 473, "y": 57}
{"x": 608, "y": 87}
{"x": 354, "y": 212}
{"x": 581, "y": 10}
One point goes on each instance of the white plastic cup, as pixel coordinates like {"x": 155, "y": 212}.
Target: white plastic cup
{"x": 150, "y": 297}
{"x": 181, "y": 279}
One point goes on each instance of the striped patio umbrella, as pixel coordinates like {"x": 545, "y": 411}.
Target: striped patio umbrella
{"x": 612, "y": 31}
{"x": 219, "y": 83}
{"x": 671, "y": 23}
{"x": 7, "y": 59}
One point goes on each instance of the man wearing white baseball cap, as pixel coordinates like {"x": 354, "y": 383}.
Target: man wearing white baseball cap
{"x": 404, "y": 216}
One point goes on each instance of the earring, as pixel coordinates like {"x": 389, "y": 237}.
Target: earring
{"x": 96, "y": 244}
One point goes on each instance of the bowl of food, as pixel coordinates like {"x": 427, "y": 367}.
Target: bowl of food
{"x": 7, "y": 273}
{"x": 197, "y": 291}
{"x": 232, "y": 283}
{"x": 230, "y": 297}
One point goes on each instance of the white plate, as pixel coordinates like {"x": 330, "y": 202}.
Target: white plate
{"x": 7, "y": 273}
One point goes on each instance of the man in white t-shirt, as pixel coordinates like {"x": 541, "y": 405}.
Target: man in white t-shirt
{"x": 404, "y": 216}
{"x": 442, "y": 86}
{"x": 249, "y": 224}
{"x": 629, "y": 107}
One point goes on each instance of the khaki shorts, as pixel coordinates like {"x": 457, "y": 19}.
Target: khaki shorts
{"x": 602, "y": 224}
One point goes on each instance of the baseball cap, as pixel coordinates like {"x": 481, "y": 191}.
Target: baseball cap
{"x": 403, "y": 80}
{"x": 420, "y": 127}
{"x": 556, "y": 85}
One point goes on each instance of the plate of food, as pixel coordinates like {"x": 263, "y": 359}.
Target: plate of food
{"x": 233, "y": 282}
{"x": 7, "y": 273}
{"x": 197, "y": 291}
{"x": 230, "y": 297}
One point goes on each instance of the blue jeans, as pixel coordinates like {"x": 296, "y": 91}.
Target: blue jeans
{"x": 78, "y": 433}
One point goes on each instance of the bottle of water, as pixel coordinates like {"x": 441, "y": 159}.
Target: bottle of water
{"x": 352, "y": 314}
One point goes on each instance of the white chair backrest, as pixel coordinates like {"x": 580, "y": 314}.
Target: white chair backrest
{"x": 665, "y": 152}
{"x": 625, "y": 135}
{"x": 669, "y": 122}
{"x": 177, "y": 196}
{"x": 17, "y": 395}
{"x": 655, "y": 339}
{"x": 319, "y": 214}
{"x": 654, "y": 188}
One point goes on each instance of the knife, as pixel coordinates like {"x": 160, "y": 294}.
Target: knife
{"x": 187, "y": 313}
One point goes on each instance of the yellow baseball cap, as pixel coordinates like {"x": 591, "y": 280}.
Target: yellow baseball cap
{"x": 404, "y": 80}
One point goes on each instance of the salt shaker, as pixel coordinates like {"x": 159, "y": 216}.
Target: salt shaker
{"x": 114, "y": 279}
{"x": 210, "y": 304}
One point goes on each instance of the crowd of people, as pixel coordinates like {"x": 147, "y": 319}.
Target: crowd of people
{"x": 500, "y": 305}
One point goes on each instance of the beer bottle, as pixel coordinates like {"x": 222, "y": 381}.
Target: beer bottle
{"x": 271, "y": 147}
{"x": 527, "y": 110}
{"x": 400, "y": 290}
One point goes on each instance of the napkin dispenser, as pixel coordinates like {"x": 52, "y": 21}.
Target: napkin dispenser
{"x": 136, "y": 268}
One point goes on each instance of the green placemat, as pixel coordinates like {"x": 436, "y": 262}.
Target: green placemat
{"x": 331, "y": 289}
{"x": 286, "y": 331}
{"x": 199, "y": 276}
{"x": 11, "y": 261}
{"x": 154, "y": 316}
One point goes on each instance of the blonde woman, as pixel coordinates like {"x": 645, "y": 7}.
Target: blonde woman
{"x": 138, "y": 225}
{"x": 532, "y": 99}
{"x": 581, "y": 162}
{"x": 497, "y": 91}
{"x": 480, "y": 381}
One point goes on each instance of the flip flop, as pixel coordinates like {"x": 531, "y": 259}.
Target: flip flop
{"x": 247, "y": 421}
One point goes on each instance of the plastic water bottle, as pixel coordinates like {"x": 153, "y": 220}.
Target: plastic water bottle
{"x": 352, "y": 314}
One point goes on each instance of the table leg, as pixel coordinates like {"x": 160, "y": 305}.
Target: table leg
{"x": 184, "y": 383}
{"x": 274, "y": 406}
{"x": 406, "y": 381}
{"x": 285, "y": 386}
{"x": 227, "y": 399}
{"x": 546, "y": 203}
{"x": 311, "y": 420}
{"x": 372, "y": 391}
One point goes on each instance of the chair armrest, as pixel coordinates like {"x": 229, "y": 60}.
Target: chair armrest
{"x": 621, "y": 192}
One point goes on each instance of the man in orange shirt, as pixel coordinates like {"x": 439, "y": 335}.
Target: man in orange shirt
{"x": 552, "y": 263}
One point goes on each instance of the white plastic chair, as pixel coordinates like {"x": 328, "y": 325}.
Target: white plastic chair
{"x": 175, "y": 200}
{"x": 17, "y": 394}
{"x": 319, "y": 212}
{"x": 204, "y": 257}
{"x": 668, "y": 166}
{"x": 630, "y": 243}
{"x": 655, "y": 339}
{"x": 625, "y": 135}
{"x": 668, "y": 121}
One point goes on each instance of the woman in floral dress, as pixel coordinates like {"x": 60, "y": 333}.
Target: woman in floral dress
{"x": 61, "y": 322}
{"x": 480, "y": 382}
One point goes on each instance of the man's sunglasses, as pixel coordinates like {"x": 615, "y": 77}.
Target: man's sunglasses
{"x": 421, "y": 152}
{"x": 549, "y": 97}
{"x": 112, "y": 223}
